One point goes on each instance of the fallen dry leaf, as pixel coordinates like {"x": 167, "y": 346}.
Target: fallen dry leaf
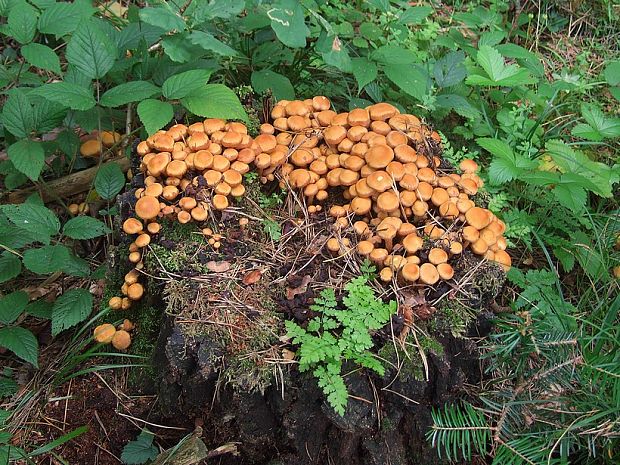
{"x": 218, "y": 267}
{"x": 288, "y": 354}
{"x": 252, "y": 277}
{"x": 291, "y": 292}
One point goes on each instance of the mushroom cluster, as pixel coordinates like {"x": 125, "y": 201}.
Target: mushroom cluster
{"x": 385, "y": 165}
{"x": 119, "y": 337}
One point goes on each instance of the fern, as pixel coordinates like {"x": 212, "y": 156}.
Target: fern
{"x": 338, "y": 335}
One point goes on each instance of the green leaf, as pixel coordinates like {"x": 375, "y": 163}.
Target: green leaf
{"x": 288, "y": 22}
{"x": 110, "y": 179}
{"x": 450, "y": 70}
{"x": 459, "y": 104}
{"x": 85, "y": 227}
{"x": 70, "y": 95}
{"x": 280, "y": 85}
{"x": 180, "y": 49}
{"x": 90, "y": 50}
{"x": 28, "y": 157}
{"x": 612, "y": 73}
{"x": 364, "y": 71}
{"x": 40, "y": 309}
{"x": 22, "y": 22}
{"x": 599, "y": 126}
{"x": 10, "y": 266}
{"x": 46, "y": 448}
{"x": 571, "y": 195}
{"x": 38, "y": 220}
{"x": 12, "y": 305}
{"x": 211, "y": 44}
{"x": 141, "y": 450}
{"x": 393, "y": 55}
{"x": 183, "y": 84}
{"x": 523, "y": 56}
{"x": 63, "y": 18}
{"x": 21, "y": 342}
{"x": 215, "y": 101}
{"x": 497, "y": 72}
{"x": 48, "y": 115}
{"x": 503, "y": 168}
{"x": 133, "y": 91}
{"x": 71, "y": 308}
{"x": 411, "y": 79}
{"x": 47, "y": 259}
{"x": 77, "y": 266}
{"x": 414, "y": 15}
{"x": 163, "y": 17}
{"x": 334, "y": 53}
{"x": 17, "y": 114}
{"x": 204, "y": 10}
{"x": 154, "y": 114}
{"x": 42, "y": 57}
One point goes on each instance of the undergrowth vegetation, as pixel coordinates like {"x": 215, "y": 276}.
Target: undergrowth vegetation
{"x": 530, "y": 91}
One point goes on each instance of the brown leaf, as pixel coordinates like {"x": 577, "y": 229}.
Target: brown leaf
{"x": 218, "y": 267}
{"x": 291, "y": 292}
{"x": 252, "y": 277}
{"x": 288, "y": 354}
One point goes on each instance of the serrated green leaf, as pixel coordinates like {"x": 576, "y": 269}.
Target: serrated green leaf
{"x": 90, "y": 50}
{"x": 21, "y": 342}
{"x": 12, "y": 305}
{"x": 599, "y": 126}
{"x": 48, "y": 115}
{"x": 42, "y": 57}
{"x": 450, "y": 70}
{"x": 334, "y": 53}
{"x": 612, "y": 73}
{"x": 523, "y": 56}
{"x": 47, "y": 259}
{"x": 109, "y": 180}
{"x": 154, "y": 114}
{"x": 411, "y": 79}
{"x": 10, "y": 266}
{"x": 211, "y": 44}
{"x": 280, "y": 85}
{"x": 71, "y": 308}
{"x": 17, "y": 114}
{"x": 393, "y": 55}
{"x": 63, "y": 18}
{"x": 215, "y": 101}
{"x": 35, "y": 219}
{"x": 85, "y": 227}
{"x": 183, "y": 84}
{"x": 364, "y": 71}
{"x": 414, "y": 14}
{"x": 163, "y": 18}
{"x": 571, "y": 195}
{"x": 141, "y": 450}
{"x": 180, "y": 49}
{"x": 497, "y": 72}
{"x": 77, "y": 266}
{"x": 28, "y": 157}
{"x": 22, "y": 22}
{"x": 122, "y": 94}
{"x": 288, "y": 22}
{"x": 70, "y": 95}
{"x": 459, "y": 104}
{"x": 40, "y": 309}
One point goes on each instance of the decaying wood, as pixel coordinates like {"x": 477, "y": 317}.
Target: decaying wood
{"x": 64, "y": 187}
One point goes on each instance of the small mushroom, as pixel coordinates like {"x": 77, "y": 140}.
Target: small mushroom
{"x": 104, "y": 333}
{"x": 132, "y": 226}
{"x": 121, "y": 340}
{"x": 429, "y": 274}
{"x": 115, "y": 303}
{"x": 147, "y": 207}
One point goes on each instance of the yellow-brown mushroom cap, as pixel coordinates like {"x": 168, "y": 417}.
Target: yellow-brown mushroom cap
{"x": 388, "y": 201}
{"x": 147, "y": 207}
{"x": 104, "y": 333}
{"x": 410, "y": 272}
{"x": 220, "y": 202}
{"x": 135, "y": 291}
{"x": 91, "y": 148}
{"x": 382, "y": 111}
{"x": 379, "y": 156}
{"x": 132, "y": 226}
{"x": 437, "y": 256}
{"x": 121, "y": 340}
{"x": 478, "y": 217}
{"x": 445, "y": 271}
{"x": 429, "y": 274}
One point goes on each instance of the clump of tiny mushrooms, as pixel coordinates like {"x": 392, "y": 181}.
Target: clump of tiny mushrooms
{"x": 412, "y": 217}
{"x": 94, "y": 144}
{"x": 120, "y": 337}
